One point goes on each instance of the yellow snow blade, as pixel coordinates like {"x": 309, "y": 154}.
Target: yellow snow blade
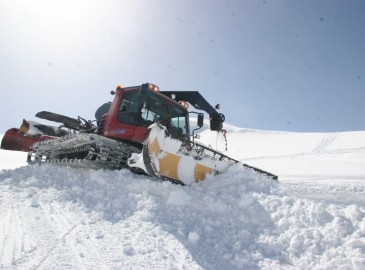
{"x": 169, "y": 166}
{"x": 170, "y": 158}
{"x": 200, "y": 171}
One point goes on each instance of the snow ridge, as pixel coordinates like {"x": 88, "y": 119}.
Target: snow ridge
{"x": 73, "y": 218}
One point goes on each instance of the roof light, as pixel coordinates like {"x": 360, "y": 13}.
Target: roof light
{"x": 153, "y": 87}
{"x": 119, "y": 86}
{"x": 184, "y": 104}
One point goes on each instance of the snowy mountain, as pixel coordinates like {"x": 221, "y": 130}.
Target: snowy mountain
{"x": 313, "y": 218}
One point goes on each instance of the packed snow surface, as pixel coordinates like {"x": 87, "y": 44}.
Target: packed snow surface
{"x": 313, "y": 218}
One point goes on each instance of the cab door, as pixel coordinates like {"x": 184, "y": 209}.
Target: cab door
{"x": 123, "y": 115}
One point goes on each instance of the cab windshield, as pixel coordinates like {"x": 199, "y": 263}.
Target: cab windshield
{"x": 158, "y": 109}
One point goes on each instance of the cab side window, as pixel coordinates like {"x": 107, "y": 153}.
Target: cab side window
{"x": 128, "y": 109}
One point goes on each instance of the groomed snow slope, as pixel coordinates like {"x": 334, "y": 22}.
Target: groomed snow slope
{"x": 316, "y": 156}
{"x": 314, "y": 218}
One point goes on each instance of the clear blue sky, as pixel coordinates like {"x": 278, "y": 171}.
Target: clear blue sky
{"x": 271, "y": 64}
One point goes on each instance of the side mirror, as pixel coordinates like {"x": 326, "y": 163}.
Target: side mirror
{"x": 200, "y": 120}
{"x": 200, "y": 123}
{"x": 216, "y": 121}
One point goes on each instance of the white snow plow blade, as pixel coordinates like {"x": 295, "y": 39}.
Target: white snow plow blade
{"x": 180, "y": 161}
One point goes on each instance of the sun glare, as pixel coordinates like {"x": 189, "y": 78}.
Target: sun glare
{"x": 55, "y": 22}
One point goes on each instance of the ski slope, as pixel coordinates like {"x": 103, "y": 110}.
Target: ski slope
{"x": 313, "y": 218}
{"x": 293, "y": 156}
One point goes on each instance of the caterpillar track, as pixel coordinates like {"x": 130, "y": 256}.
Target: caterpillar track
{"x": 82, "y": 150}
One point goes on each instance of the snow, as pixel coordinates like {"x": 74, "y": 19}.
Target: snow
{"x": 11, "y": 159}
{"x": 317, "y": 156}
{"x": 313, "y": 218}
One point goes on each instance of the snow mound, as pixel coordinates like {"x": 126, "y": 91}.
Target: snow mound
{"x": 237, "y": 220}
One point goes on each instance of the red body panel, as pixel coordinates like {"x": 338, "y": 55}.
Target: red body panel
{"x": 15, "y": 140}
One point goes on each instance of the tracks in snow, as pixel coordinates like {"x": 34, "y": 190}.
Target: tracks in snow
{"x": 324, "y": 143}
{"x": 13, "y": 239}
{"x": 322, "y": 148}
{"x": 35, "y": 233}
